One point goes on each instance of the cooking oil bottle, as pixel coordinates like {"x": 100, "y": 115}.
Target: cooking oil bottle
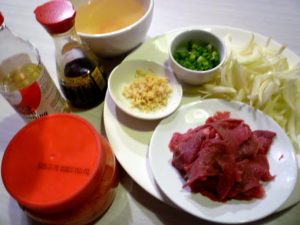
{"x": 81, "y": 78}
{"x": 24, "y": 81}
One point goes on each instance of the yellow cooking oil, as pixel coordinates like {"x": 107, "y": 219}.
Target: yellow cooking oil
{"x": 21, "y": 77}
{"x": 105, "y": 16}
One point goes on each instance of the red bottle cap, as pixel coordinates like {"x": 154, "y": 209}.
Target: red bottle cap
{"x": 1, "y": 18}
{"x": 53, "y": 163}
{"x": 57, "y": 16}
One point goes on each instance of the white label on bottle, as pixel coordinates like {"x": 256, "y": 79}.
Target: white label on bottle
{"x": 14, "y": 97}
{"x": 71, "y": 55}
{"x": 38, "y": 99}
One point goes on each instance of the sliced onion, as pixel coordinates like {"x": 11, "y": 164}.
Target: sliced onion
{"x": 260, "y": 76}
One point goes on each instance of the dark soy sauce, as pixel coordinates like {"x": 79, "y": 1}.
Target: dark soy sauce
{"x": 84, "y": 84}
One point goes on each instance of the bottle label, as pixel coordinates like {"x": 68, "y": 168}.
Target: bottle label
{"x": 27, "y": 100}
{"x": 71, "y": 55}
{"x": 38, "y": 99}
{"x": 97, "y": 75}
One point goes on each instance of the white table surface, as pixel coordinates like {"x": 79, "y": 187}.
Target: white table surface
{"x": 275, "y": 18}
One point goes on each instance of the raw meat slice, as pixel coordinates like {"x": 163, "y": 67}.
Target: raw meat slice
{"x": 223, "y": 159}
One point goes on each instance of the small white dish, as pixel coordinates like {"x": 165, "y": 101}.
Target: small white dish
{"x": 189, "y": 76}
{"x": 281, "y": 157}
{"x": 124, "y": 74}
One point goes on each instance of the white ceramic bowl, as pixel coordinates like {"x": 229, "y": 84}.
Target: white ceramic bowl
{"x": 189, "y": 76}
{"x": 120, "y": 41}
{"x": 124, "y": 74}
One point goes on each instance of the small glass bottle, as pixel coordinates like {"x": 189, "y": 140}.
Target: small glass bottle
{"x": 24, "y": 81}
{"x": 81, "y": 78}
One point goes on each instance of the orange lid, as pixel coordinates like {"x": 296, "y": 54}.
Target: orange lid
{"x": 57, "y": 16}
{"x": 53, "y": 163}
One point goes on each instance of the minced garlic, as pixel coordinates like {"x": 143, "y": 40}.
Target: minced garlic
{"x": 148, "y": 92}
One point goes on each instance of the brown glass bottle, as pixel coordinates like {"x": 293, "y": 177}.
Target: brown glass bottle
{"x": 80, "y": 76}
{"x": 83, "y": 83}
{"x": 90, "y": 90}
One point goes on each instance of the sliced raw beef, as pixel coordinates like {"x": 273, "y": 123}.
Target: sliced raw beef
{"x": 265, "y": 139}
{"x": 223, "y": 159}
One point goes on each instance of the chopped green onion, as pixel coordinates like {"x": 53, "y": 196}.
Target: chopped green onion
{"x": 197, "y": 56}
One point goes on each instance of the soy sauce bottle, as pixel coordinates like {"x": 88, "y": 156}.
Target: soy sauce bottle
{"x": 81, "y": 78}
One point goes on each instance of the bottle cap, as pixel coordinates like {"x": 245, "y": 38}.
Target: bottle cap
{"x": 1, "y": 18}
{"x": 53, "y": 163}
{"x": 57, "y": 16}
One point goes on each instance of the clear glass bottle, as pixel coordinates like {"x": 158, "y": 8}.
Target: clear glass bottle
{"x": 81, "y": 78}
{"x": 24, "y": 81}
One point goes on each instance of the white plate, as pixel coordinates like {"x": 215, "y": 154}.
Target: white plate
{"x": 130, "y": 137}
{"x": 281, "y": 158}
{"x": 124, "y": 74}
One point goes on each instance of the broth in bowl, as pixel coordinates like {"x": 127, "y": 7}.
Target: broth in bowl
{"x": 105, "y": 16}
{"x": 113, "y": 27}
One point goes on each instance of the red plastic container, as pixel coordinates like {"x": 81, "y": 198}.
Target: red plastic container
{"x": 60, "y": 170}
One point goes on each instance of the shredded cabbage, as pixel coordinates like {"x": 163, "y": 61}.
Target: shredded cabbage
{"x": 260, "y": 76}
